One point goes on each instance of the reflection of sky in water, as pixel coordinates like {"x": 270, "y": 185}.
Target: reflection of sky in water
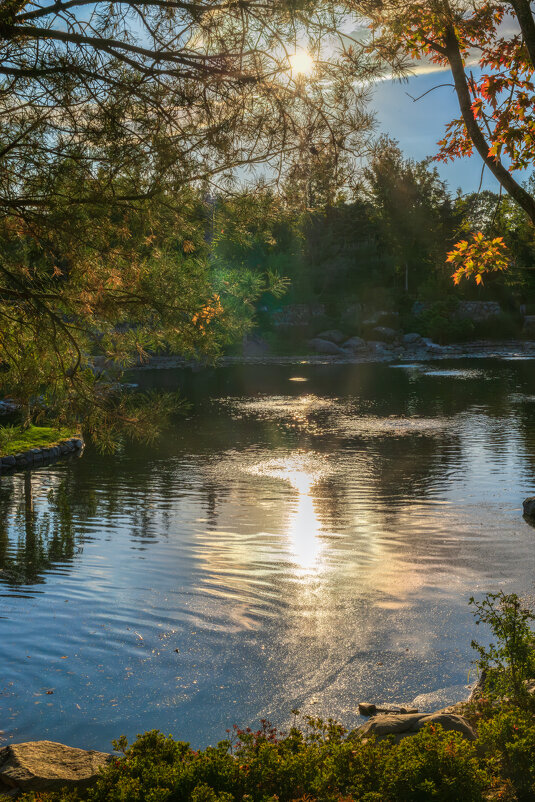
{"x": 274, "y": 550}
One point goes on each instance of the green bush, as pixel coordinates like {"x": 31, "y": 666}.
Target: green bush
{"x": 508, "y": 741}
{"x": 508, "y": 663}
{"x": 321, "y": 763}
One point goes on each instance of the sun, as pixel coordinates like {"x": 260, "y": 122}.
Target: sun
{"x": 302, "y": 62}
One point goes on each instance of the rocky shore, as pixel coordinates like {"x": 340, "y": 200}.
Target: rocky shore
{"x": 368, "y": 351}
{"x": 35, "y": 457}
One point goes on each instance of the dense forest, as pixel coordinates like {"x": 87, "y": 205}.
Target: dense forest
{"x": 376, "y": 240}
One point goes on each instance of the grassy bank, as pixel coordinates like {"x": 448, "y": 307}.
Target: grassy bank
{"x": 14, "y": 439}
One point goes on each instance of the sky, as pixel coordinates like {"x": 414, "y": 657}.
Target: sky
{"x": 418, "y": 126}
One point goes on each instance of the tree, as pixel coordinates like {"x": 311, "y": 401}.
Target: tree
{"x": 492, "y": 71}
{"x": 413, "y": 211}
{"x": 116, "y": 120}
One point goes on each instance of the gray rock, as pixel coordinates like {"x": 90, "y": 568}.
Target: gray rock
{"x": 333, "y": 335}
{"x": 78, "y": 443}
{"x": 411, "y": 338}
{"x": 401, "y": 726}
{"x": 354, "y": 344}
{"x": 430, "y": 345}
{"x": 9, "y": 461}
{"x": 385, "y": 334}
{"x": 254, "y": 345}
{"x": 529, "y": 507}
{"x": 45, "y": 765}
{"x": 324, "y": 346}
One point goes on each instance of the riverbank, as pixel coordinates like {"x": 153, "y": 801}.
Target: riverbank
{"x": 24, "y": 448}
{"x": 371, "y": 352}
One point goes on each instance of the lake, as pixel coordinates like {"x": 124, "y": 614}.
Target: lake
{"x": 306, "y": 537}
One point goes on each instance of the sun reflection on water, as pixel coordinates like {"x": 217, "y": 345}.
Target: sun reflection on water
{"x": 303, "y": 527}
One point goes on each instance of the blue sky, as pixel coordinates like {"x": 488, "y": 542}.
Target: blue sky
{"x": 419, "y": 125}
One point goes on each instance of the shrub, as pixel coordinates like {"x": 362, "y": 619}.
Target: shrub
{"x": 321, "y": 763}
{"x": 508, "y": 742}
{"x": 509, "y": 662}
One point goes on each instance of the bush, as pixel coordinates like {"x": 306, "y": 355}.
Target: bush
{"x": 321, "y": 763}
{"x": 508, "y": 741}
{"x": 508, "y": 663}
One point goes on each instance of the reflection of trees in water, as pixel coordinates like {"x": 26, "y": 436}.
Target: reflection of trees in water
{"x": 36, "y": 531}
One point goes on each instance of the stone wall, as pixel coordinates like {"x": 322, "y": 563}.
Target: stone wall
{"x": 38, "y": 456}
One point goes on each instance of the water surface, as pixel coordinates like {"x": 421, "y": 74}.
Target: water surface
{"x": 307, "y": 537}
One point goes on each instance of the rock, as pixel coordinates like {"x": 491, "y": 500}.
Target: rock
{"x": 9, "y": 461}
{"x": 430, "y": 345}
{"x": 333, "y": 335}
{"x": 411, "y": 338}
{"x": 400, "y": 726}
{"x": 45, "y": 765}
{"x": 529, "y": 507}
{"x": 385, "y": 334}
{"x": 324, "y": 346}
{"x": 254, "y": 345}
{"x": 367, "y": 709}
{"x": 354, "y": 344}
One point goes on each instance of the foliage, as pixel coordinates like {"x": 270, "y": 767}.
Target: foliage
{"x": 509, "y": 662}
{"x": 495, "y": 100}
{"x": 477, "y": 258}
{"x": 507, "y": 739}
{"x": 438, "y": 321}
{"x": 320, "y": 763}
{"x": 413, "y": 211}
{"x": 118, "y": 119}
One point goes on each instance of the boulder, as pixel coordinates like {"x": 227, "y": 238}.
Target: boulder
{"x": 529, "y": 507}
{"x": 385, "y": 334}
{"x": 333, "y": 335}
{"x": 45, "y": 765}
{"x": 411, "y": 338}
{"x": 321, "y": 346}
{"x": 254, "y": 345}
{"x": 354, "y": 344}
{"x": 401, "y": 726}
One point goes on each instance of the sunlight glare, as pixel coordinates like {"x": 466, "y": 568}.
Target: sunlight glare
{"x": 302, "y": 62}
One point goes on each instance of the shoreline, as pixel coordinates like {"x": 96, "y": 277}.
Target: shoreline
{"x": 36, "y": 457}
{"x": 372, "y": 353}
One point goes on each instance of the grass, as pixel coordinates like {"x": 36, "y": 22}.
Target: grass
{"x": 14, "y": 439}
